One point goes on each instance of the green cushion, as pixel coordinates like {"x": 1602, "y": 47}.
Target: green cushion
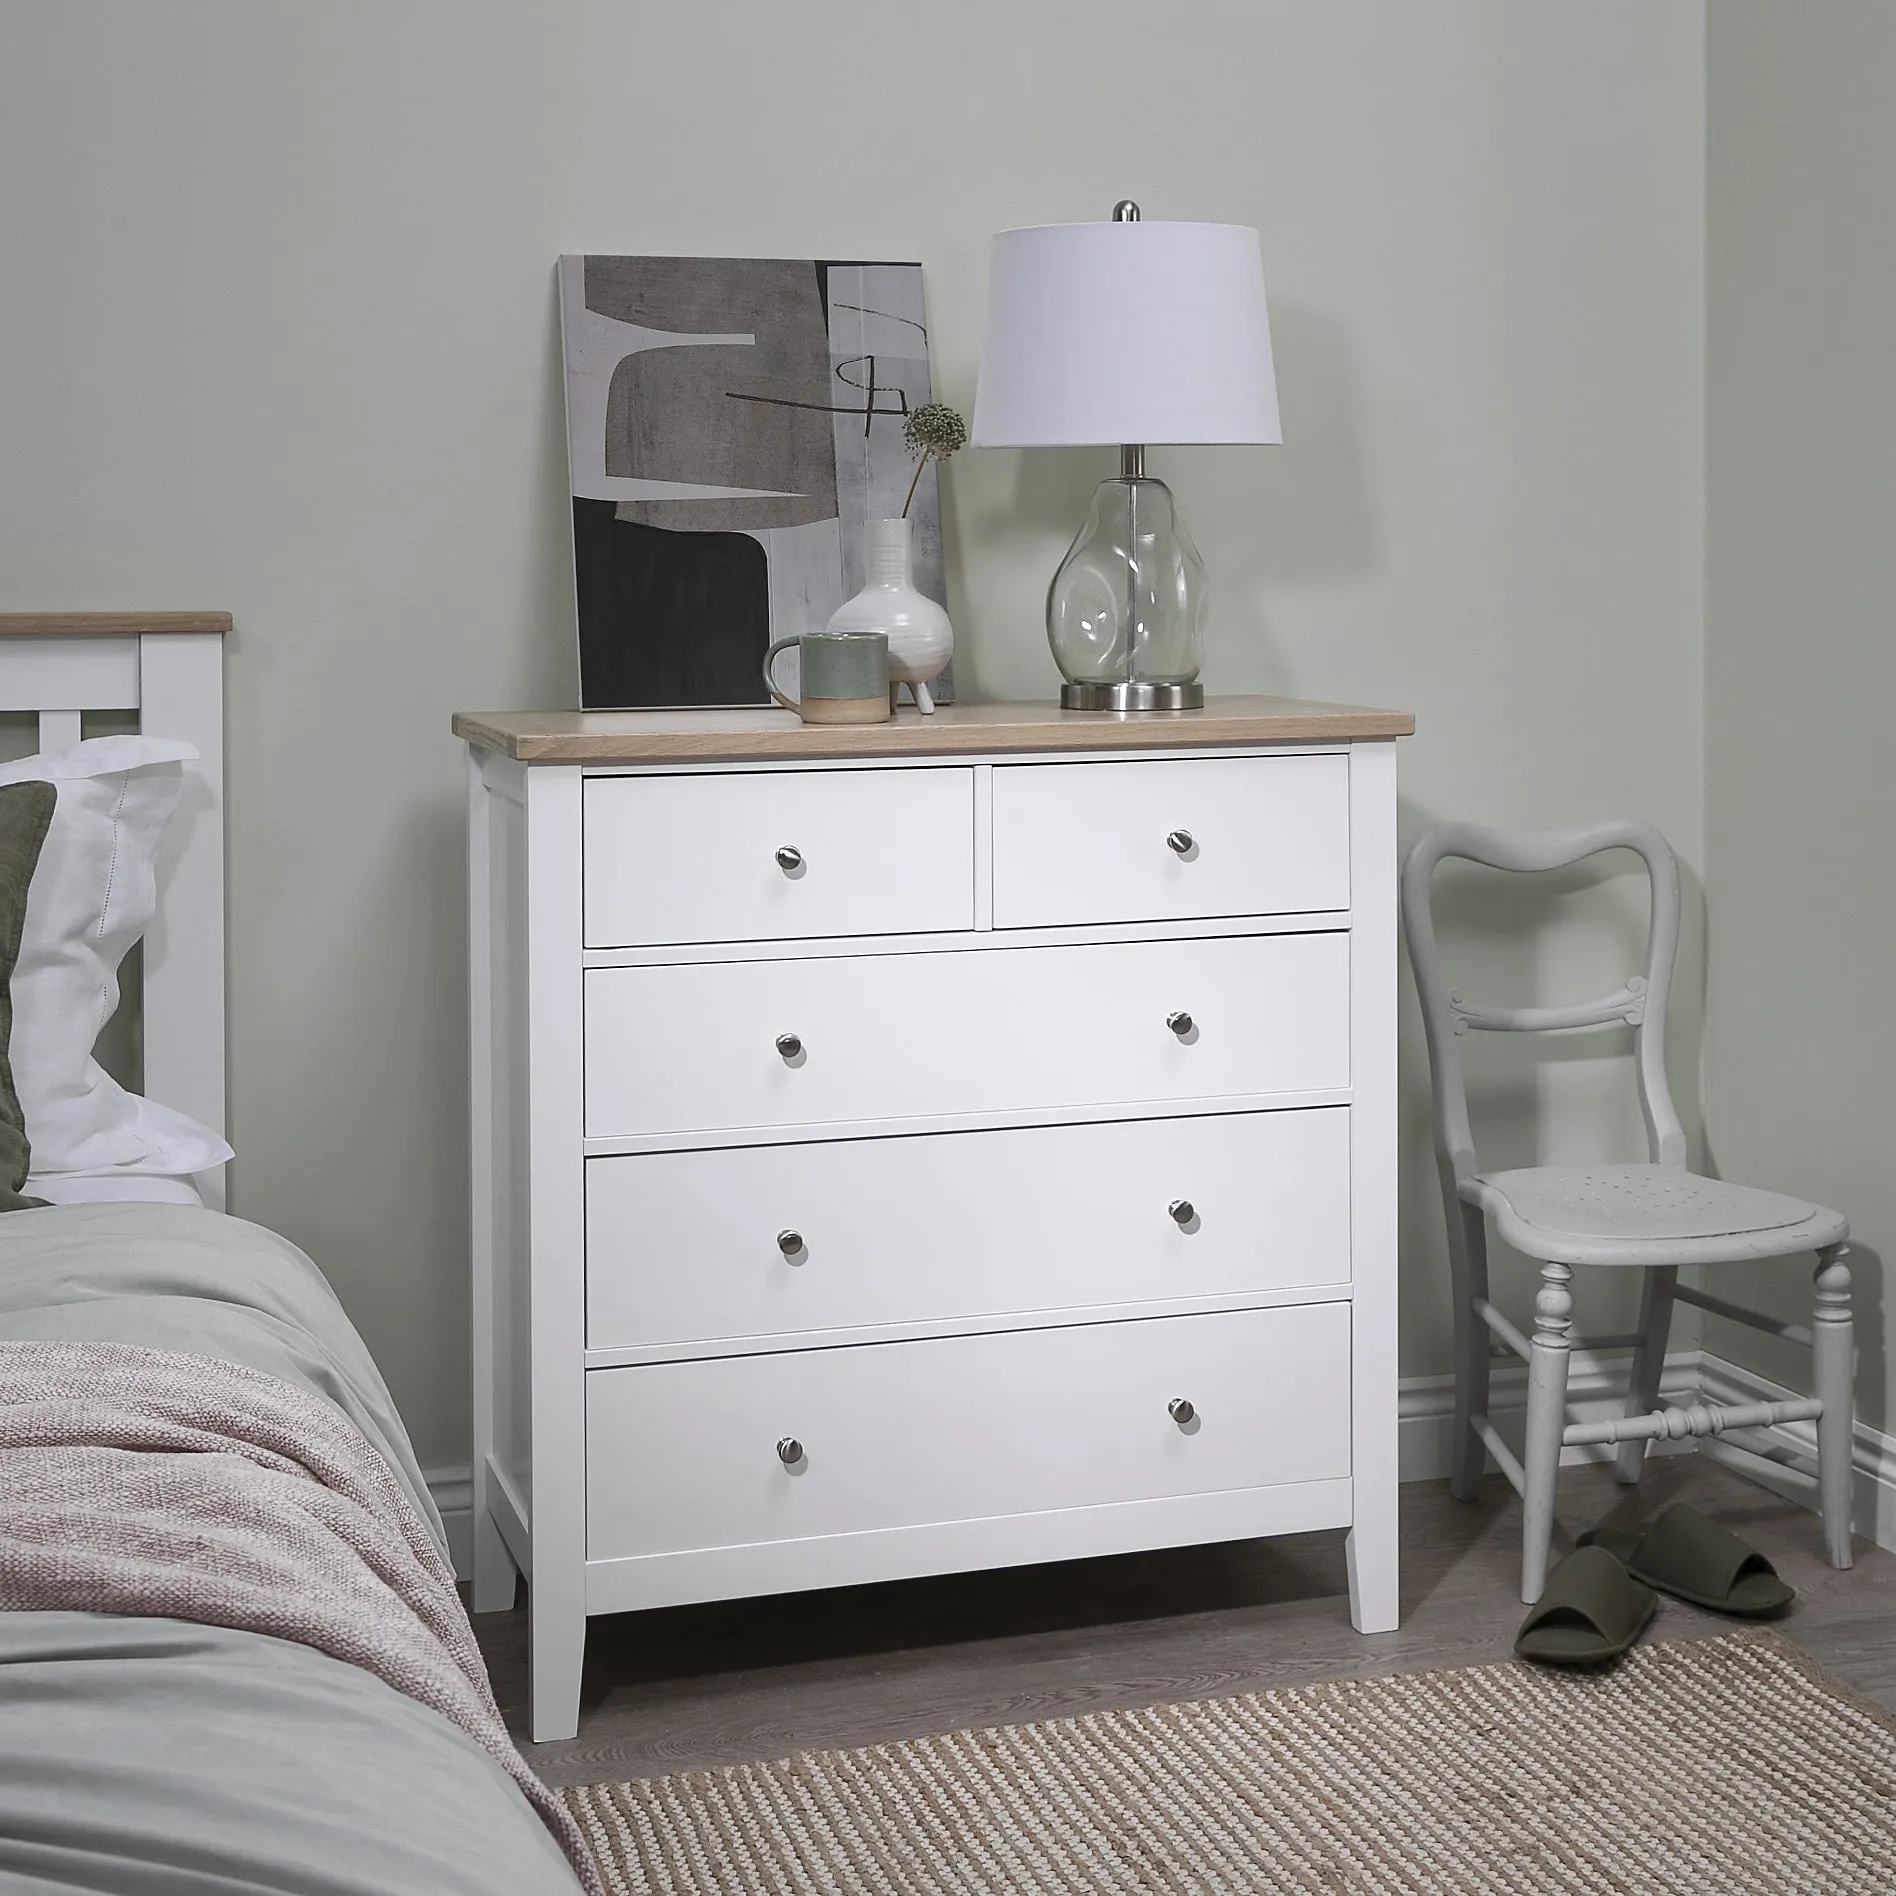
{"x": 25, "y": 811}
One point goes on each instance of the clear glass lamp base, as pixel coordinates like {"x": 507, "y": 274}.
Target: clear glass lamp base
{"x": 1126, "y": 610}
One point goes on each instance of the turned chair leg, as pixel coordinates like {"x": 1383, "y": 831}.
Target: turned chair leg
{"x": 1649, "y": 1364}
{"x": 1546, "y": 1424}
{"x": 1472, "y": 1354}
{"x": 1835, "y": 1377}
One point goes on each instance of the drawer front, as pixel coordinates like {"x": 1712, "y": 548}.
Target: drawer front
{"x": 687, "y": 1049}
{"x": 689, "y": 859}
{"x": 684, "y": 1455}
{"x": 1085, "y": 843}
{"x": 969, "y": 1224}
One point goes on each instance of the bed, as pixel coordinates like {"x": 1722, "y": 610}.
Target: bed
{"x": 152, "y": 1739}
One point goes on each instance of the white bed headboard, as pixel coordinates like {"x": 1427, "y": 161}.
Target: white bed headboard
{"x": 168, "y": 667}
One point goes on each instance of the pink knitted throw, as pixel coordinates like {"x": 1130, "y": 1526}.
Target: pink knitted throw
{"x": 171, "y": 1486}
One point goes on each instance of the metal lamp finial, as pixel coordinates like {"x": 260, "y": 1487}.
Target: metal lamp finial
{"x": 1125, "y": 212}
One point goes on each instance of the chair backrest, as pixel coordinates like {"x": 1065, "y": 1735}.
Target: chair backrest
{"x": 1641, "y": 1002}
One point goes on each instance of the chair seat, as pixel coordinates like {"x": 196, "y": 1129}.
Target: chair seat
{"x": 1646, "y": 1214}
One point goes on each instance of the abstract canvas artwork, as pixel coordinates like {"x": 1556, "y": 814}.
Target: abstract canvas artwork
{"x": 731, "y": 424}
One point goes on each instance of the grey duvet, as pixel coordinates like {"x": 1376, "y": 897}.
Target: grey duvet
{"x": 155, "y": 1756}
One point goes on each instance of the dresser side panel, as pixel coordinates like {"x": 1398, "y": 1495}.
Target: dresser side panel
{"x": 556, "y": 1238}
{"x": 504, "y": 1210}
{"x": 1373, "y": 1557}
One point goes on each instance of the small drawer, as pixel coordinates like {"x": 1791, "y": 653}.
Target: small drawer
{"x": 1170, "y": 839}
{"x": 718, "y": 1046}
{"x": 765, "y": 856}
{"x": 789, "y": 1239}
{"x": 686, "y": 1455}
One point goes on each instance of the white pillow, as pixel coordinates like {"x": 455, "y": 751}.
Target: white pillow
{"x": 121, "y": 1186}
{"x": 93, "y": 894}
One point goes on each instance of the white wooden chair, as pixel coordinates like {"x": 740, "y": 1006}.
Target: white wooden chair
{"x": 1656, "y": 1217}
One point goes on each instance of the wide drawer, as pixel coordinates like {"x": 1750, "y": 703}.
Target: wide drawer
{"x": 789, "y": 1239}
{"x": 1163, "y": 839}
{"x": 695, "y": 1048}
{"x": 764, "y": 856}
{"x": 686, "y": 1455}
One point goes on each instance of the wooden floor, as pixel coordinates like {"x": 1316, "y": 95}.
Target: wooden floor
{"x": 692, "y": 1687}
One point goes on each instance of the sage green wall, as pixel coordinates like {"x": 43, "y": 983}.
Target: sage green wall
{"x": 1801, "y": 635}
{"x": 280, "y": 337}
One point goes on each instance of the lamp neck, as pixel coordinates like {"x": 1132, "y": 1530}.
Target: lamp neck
{"x": 1132, "y": 463}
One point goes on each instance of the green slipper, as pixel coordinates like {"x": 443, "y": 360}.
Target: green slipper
{"x": 1593, "y": 1610}
{"x": 1688, "y": 1555}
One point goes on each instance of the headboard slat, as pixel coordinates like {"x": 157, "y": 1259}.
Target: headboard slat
{"x": 70, "y": 675}
{"x": 182, "y": 695}
{"x": 60, "y": 730}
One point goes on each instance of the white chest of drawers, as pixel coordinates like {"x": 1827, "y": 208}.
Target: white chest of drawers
{"x": 922, "y": 1147}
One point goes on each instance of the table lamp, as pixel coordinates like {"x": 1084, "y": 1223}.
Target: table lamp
{"x": 1123, "y": 334}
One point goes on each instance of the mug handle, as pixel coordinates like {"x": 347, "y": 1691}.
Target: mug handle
{"x": 770, "y": 684}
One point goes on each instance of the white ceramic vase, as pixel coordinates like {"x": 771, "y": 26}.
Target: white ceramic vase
{"x": 921, "y": 641}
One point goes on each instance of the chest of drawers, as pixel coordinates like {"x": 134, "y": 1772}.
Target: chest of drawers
{"x": 922, "y": 1147}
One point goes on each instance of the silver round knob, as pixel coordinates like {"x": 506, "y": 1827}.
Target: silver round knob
{"x": 1180, "y": 842}
{"x": 789, "y": 1046}
{"x": 1179, "y": 1022}
{"x": 1182, "y": 1211}
{"x": 1181, "y": 1411}
{"x": 789, "y": 859}
{"x": 789, "y": 1242}
{"x": 790, "y": 1450}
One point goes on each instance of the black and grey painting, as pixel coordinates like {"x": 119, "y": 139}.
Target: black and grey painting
{"x": 731, "y": 424}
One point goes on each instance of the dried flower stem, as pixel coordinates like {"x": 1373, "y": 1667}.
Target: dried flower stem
{"x": 932, "y": 431}
{"x": 915, "y": 483}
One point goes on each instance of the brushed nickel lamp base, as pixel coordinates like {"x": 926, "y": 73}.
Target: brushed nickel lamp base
{"x": 1133, "y": 695}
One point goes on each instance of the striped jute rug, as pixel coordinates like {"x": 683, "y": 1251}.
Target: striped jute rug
{"x": 1727, "y": 1767}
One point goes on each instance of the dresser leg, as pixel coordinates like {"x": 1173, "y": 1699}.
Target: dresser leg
{"x": 557, "y": 1654}
{"x": 494, "y": 1571}
{"x": 1375, "y": 1573}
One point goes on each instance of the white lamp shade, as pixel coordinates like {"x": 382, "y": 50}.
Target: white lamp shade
{"x": 1103, "y": 334}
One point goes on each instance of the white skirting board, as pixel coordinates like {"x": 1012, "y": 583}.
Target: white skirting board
{"x": 1873, "y": 1453}
{"x": 1595, "y": 1390}
{"x": 1427, "y": 1424}
{"x": 453, "y": 1491}
{"x": 1595, "y": 1386}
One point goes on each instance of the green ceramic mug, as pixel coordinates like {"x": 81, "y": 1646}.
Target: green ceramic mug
{"x": 845, "y": 677}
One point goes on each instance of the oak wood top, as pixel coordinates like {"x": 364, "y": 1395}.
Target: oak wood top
{"x": 107, "y": 625}
{"x": 744, "y": 735}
